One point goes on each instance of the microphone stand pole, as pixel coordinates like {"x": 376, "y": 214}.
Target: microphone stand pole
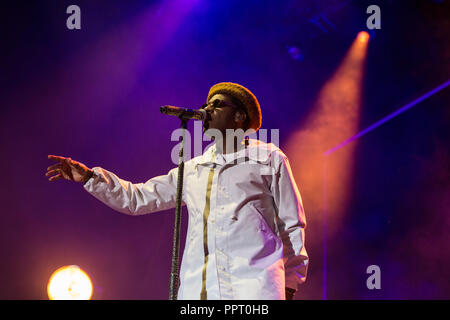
{"x": 174, "y": 276}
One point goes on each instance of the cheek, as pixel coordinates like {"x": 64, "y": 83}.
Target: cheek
{"x": 222, "y": 118}
{"x": 218, "y": 117}
{"x": 226, "y": 117}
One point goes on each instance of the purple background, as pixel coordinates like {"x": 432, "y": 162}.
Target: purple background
{"x": 94, "y": 95}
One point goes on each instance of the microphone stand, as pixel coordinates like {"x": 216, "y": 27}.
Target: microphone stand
{"x": 174, "y": 274}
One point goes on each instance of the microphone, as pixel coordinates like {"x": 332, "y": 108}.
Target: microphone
{"x": 184, "y": 113}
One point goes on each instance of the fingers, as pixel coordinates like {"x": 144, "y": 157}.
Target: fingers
{"x": 57, "y": 158}
{"x": 51, "y": 156}
{"x": 52, "y": 172}
{"x": 55, "y": 166}
{"x": 56, "y": 177}
{"x": 62, "y": 161}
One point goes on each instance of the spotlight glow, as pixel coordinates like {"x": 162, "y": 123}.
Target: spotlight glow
{"x": 363, "y": 36}
{"x": 327, "y": 180}
{"x": 69, "y": 283}
{"x": 334, "y": 117}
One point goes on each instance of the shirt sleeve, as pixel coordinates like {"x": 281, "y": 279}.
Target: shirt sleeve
{"x": 157, "y": 194}
{"x": 291, "y": 222}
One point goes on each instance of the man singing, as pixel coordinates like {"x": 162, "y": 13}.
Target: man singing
{"x": 246, "y": 228}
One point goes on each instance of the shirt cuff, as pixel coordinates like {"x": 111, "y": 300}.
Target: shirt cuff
{"x": 91, "y": 179}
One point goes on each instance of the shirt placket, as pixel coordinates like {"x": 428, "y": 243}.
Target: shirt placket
{"x": 210, "y": 285}
{"x": 222, "y": 260}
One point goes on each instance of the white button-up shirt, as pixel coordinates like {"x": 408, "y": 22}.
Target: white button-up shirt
{"x": 245, "y": 237}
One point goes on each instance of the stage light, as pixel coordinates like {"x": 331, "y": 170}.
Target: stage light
{"x": 333, "y": 118}
{"x": 325, "y": 181}
{"x": 363, "y": 36}
{"x": 69, "y": 283}
{"x": 295, "y": 53}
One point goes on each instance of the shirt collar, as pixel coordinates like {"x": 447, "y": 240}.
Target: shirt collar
{"x": 256, "y": 152}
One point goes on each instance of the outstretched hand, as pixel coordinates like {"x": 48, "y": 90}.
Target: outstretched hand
{"x": 68, "y": 169}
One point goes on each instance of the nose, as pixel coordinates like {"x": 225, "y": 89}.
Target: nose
{"x": 209, "y": 110}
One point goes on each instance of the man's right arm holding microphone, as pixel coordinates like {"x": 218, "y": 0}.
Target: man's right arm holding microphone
{"x": 158, "y": 193}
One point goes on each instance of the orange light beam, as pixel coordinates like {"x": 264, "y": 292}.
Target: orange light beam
{"x": 335, "y": 116}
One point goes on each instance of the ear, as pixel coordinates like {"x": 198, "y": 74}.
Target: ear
{"x": 240, "y": 116}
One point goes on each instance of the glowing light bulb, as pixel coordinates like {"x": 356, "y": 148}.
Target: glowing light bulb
{"x": 69, "y": 283}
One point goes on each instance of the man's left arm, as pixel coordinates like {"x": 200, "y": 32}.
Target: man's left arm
{"x": 291, "y": 223}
